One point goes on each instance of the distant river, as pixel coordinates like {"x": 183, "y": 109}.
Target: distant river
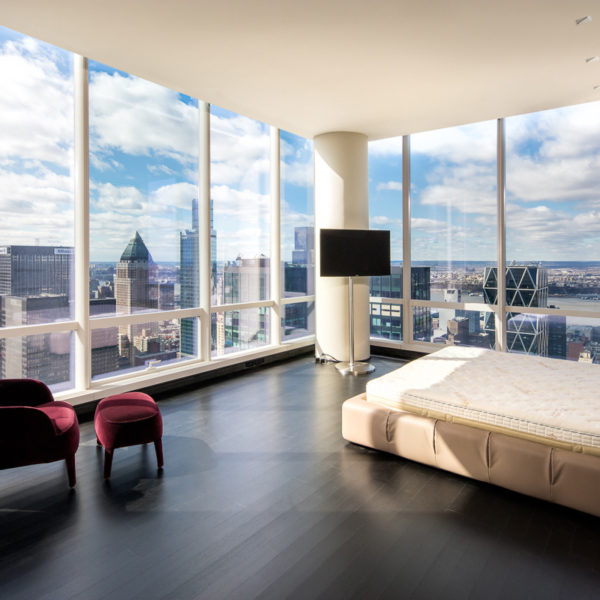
{"x": 557, "y": 301}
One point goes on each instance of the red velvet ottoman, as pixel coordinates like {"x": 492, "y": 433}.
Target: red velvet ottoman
{"x": 126, "y": 420}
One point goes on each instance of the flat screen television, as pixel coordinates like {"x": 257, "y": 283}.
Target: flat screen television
{"x": 354, "y": 252}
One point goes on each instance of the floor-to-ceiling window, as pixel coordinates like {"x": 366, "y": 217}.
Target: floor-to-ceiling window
{"x": 36, "y": 210}
{"x": 146, "y": 219}
{"x": 240, "y": 208}
{"x": 385, "y": 212}
{"x": 297, "y": 236}
{"x": 547, "y": 196}
{"x": 552, "y": 233}
{"x": 453, "y": 232}
{"x": 143, "y": 220}
{"x": 155, "y": 246}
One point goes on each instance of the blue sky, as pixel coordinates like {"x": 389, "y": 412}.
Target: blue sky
{"x": 552, "y": 188}
{"x": 143, "y": 161}
{"x": 36, "y": 142}
{"x": 144, "y": 172}
{"x": 297, "y": 188}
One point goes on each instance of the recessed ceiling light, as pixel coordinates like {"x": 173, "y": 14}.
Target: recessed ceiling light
{"x": 592, "y": 59}
{"x": 597, "y": 88}
{"x": 583, "y": 20}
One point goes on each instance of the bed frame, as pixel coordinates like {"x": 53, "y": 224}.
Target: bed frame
{"x": 568, "y": 478}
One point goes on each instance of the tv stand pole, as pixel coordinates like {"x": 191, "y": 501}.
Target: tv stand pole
{"x": 353, "y": 368}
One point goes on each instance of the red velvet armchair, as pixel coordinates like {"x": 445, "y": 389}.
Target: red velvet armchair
{"x": 35, "y": 428}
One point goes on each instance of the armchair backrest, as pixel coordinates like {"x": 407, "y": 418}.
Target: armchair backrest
{"x": 24, "y": 392}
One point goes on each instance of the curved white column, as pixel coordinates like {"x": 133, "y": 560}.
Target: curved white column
{"x": 341, "y": 202}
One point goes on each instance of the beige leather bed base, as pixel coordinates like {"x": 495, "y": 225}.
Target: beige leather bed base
{"x": 561, "y": 476}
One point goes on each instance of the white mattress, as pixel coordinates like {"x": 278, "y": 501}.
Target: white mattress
{"x": 555, "y": 400}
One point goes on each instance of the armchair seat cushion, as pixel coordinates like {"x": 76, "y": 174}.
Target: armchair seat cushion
{"x": 61, "y": 414}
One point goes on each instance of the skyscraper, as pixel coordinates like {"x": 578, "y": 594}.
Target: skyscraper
{"x": 299, "y": 280}
{"x": 35, "y": 270}
{"x": 526, "y": 285}
{"x": 386, "y": 319}
{"x": 132, "y": 293}
{"x": 244, "y": 280}
{"x": 304, "y": 246}
{"x": 188, "y": 277}
{"x": 105, "y": 341}
{"x": 557, "y": 336}
{"x": 35, "y": 283}
{"x": 44, "y": 356}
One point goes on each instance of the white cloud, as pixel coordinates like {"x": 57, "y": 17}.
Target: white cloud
{"x": 381, "y": 220}
{"x": 160, "y": 170}
{"x": 544, "y": 233}
{"x": 243, "y": 204}
{"x": 389, "y": 185}
{"x": 554, "y": 155}
{"x": 36, "y": 144}
{"x": 568, "y": 132}
{"x": 428, "y": 225}
{"x": 297, "y": 162}
{"x": 240, "y": 150}
{"x": 36, "y": 104}
{"x": 171, "y": 197}
{"x": 468, "y": 188}
{"x": 140, "y": 118}
{"x": 298, "y": 172}
{"x": 434, "y": 239}
{"x": 386, "y": 147}
{"x": 548, "y": 179}
{"x": 117, "y": 199}
{"x": 36, "y": 206}
{"x": 242, "y": 221}
{"x": 475, "y": 142}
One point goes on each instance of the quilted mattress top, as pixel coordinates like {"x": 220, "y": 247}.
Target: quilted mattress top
{"x": 529, "y": 396}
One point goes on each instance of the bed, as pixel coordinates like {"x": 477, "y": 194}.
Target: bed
{"x": 526, "y": 423}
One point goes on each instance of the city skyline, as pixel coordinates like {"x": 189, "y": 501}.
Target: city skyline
{"x": 144, "y": 171}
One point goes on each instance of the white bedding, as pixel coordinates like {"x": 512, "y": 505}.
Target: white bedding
{"x": 541, "y": 397}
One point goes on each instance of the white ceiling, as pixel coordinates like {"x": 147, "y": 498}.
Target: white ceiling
{"x": 379, "y": 67}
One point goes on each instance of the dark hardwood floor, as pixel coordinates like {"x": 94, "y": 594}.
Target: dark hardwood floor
{"x": 261, "y": 497}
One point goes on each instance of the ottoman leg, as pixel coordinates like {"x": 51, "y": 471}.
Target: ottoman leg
{"x": 108, "y": 456}
{"x": 159, "y": 453}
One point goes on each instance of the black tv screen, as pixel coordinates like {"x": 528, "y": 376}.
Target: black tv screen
{"x": 354, "y": 252}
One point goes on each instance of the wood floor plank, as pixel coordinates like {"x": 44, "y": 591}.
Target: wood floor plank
{"x": 262, "y": 498}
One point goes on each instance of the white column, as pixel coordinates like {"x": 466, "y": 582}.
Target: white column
{"x": 204, "y": 260}
{"x": 275, "y": 270}
{"x": 341, "y": 202}
{"x": 83, "y": 344}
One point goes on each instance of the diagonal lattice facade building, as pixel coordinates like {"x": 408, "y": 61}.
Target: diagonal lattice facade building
{"x": 526, "y": 285}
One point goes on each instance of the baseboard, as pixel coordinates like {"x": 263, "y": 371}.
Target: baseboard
{"x": 395, "y": 352}
{"x": 85, "y": 411}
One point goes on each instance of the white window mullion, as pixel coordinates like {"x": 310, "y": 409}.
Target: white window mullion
{"x": 501, "y": 274}
{"x": 83, "y": 345}
{"x": 275, "y": 250}
{"x": 407, "y": 316}
{"x": 204, "y": 210}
